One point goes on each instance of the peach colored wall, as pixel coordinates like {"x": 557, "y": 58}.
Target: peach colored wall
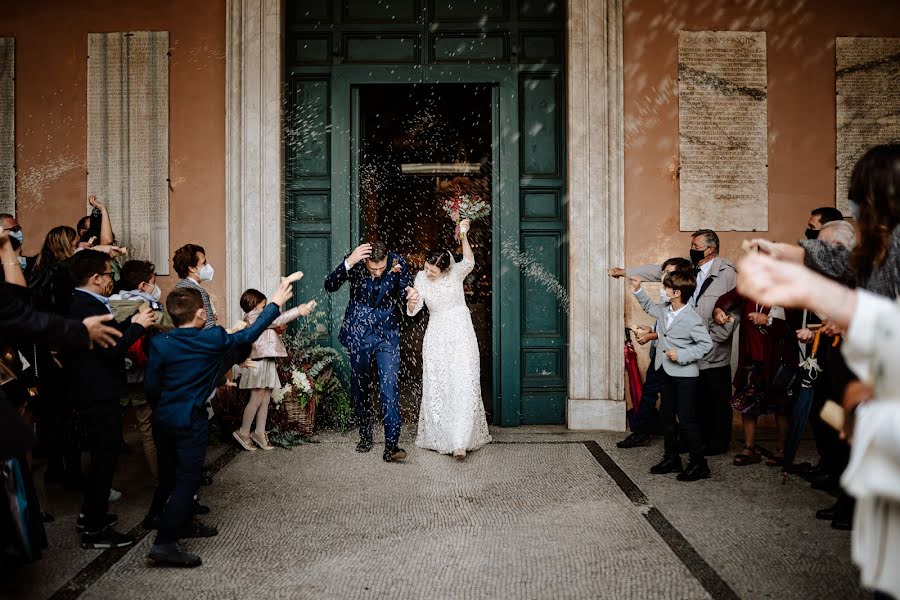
{"x": 51, "y": 117}
{"x": 801, "y": 110}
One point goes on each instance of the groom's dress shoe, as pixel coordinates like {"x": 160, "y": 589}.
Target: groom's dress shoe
{"x": 394, "y": 455}
{"x": 364, "y": 446}
{"x": 669, "y": 464}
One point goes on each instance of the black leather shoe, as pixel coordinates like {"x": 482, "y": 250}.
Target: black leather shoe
{"x": 200, "y": 509}
{"x": 841, "y": 524}
{"x": 196, "y": 529}
{"x": 105, "y": 538}
{"x": 694, "y": 472}
{"x": 634, "y": 440}
{"x": 827, "y": 514}
{"x": 394, "y": 455}
{"x": 151, "y": 522}
{"x": 172, "y": 556}
{"x": 109, "y": 521}
{"x": 364, "y": 446}
{"x": 671, "y": 464}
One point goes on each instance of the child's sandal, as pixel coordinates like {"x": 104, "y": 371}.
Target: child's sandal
{"x": 245, "y": 442}
{"x": 262, "y": 441}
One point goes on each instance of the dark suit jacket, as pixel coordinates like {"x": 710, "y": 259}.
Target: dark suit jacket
{"x": 21, "y": 324}
{"x": 97, "y": 377}
{"x": 372, "y": 315}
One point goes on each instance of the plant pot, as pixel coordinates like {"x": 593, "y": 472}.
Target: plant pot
{"x": 301, "y": 419}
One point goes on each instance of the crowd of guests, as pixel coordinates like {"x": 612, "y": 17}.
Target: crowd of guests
{"x": 78, "y": 323}
{"x": 816, "y": 318}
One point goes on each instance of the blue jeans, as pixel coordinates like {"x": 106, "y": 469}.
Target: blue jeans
{"x": 180, "y": 453}
{"x": 642, "y": 421}
{"x": 386, "y": 359}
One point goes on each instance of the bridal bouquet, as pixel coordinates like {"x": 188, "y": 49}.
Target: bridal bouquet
{"x": 466, "y": 207}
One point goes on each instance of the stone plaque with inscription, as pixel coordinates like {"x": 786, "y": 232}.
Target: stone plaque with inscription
{"x": 722, "y": 127}
{"x": 7, "y": 126}
{"x": 868, "y": 102}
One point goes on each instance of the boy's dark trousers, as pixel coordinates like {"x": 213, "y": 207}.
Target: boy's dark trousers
{"x": 102, "y": 426}
{"x": 679, "y": 399}
{"x": 647, "y": 415}
{"x": 180, "y": 453}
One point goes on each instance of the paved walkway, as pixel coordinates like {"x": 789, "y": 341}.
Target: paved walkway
{"x": 539, "y": 514}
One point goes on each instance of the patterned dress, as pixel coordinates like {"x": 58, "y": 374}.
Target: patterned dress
{"x": 451, "y": 416}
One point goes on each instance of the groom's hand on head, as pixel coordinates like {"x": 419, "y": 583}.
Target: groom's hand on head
{"x": 361, "y": 252}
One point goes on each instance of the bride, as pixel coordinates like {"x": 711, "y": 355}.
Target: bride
{"x": 451, "y": 417}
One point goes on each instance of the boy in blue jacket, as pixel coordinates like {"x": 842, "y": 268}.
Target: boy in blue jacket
{"x": 183, "y": 369}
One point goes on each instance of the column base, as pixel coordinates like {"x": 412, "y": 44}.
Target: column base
{"x": 607, "y": 415}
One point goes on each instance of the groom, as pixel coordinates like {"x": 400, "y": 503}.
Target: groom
{"x": 371, "y": 334}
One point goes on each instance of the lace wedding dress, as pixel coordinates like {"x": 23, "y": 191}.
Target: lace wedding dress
{"x": 451, "y": 416}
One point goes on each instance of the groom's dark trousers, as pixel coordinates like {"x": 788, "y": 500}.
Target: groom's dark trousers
{"x": 386, "y": 359}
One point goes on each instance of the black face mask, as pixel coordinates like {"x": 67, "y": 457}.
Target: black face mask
{"x": 812, "y": 234}
{"x": 697, "y": 256}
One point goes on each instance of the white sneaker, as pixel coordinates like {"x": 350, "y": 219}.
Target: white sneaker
{"x": 114, "y": 495}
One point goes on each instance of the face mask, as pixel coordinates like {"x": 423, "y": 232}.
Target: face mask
{"x": 206, "y": 272}
{"x": 854, "y": 210}
{"x": 812, "y": 234}
{"x": 23, "y": 262}
{"x": 18, "y": 236}
{"x": 697, "y": 256}
{"x": 156, "y": 294}
{"x": 663, "y": 298}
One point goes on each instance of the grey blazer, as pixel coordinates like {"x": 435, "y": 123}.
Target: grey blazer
{"x": 687, "y": 335}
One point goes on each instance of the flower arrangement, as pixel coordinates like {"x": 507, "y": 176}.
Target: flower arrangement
{"x": 463, "y": 206}
{"x": 311, "y": 387}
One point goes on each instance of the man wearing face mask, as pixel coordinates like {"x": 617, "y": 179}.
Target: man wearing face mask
{"x": 716, "y": 276}
{"x": 191, "y": 265}
{"x": 96, "y": 379}
{"x": 17, "y": 237}
{"x": 818, "y": 218}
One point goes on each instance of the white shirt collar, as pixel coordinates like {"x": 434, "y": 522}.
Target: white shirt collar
{"x": 705, "y": 269}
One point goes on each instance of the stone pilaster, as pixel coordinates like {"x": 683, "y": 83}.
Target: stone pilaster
{"x": 596, "y": 214}
{"x": 254, "y": 156}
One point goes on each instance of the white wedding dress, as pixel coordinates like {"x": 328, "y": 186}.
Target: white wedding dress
{"x": 451, "y": 416}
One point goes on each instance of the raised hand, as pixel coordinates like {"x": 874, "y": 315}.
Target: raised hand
{"x": 100, "y": 333}
{"x": 616, "y": 272}
{"x": 99, "y": 205}
{"x": 464, "y": 226}
{"x": 113, "y": 251}
{"x": 361, "y": 252}
{"x": 306, "y": 309}
{"x": 145, "y": 317}
{"x": 635, "y": 283}
{"x": 284, "y": 292}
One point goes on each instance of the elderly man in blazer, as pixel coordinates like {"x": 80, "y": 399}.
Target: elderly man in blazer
{"x": 683, "y": 342}
{"x": 716, "y": 276}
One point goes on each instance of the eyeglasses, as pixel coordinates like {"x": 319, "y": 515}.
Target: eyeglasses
{"x": 15, "y": 229}
{"x": 106, "y": 273}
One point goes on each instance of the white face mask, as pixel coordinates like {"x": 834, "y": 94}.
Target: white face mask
{"x": 156, "y": 294}
{"x": 206, "y": 272}
{"x": 854, "y": 210}
{"x": 662, "y": 295}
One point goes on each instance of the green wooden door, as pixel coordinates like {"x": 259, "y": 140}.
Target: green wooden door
{"x": 515, "y": 46}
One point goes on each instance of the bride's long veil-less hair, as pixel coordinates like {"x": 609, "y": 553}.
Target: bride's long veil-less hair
{"x": 442, "y": 259}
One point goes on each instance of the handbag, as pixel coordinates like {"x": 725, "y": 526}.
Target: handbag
{"x": 788, "y": 376}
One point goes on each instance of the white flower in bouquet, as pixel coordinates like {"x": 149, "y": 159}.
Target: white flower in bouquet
{"x": 302, "y": 382}
{"x": 278, "y": 394}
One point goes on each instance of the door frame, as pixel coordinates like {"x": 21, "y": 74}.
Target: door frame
{"x": 345, "y": 222}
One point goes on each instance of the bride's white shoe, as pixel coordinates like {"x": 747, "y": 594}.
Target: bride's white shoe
{"x": 459, "y": 455}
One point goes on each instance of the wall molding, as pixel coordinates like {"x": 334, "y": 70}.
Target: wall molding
{"x": 596, "y": 206}
{"x": 254, "y": 179}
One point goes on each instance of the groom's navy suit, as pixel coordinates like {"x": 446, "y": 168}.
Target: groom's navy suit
{"x": 371, "y": 333}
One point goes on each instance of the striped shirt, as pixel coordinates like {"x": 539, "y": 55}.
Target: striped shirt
{"x": 207, "y": 303}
